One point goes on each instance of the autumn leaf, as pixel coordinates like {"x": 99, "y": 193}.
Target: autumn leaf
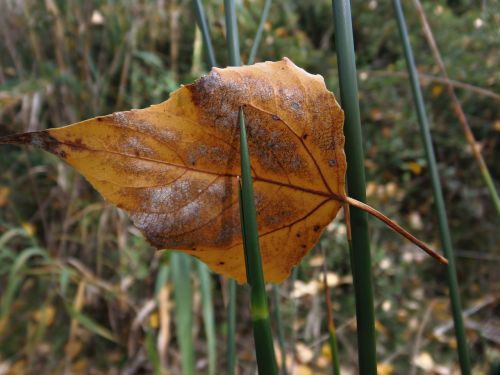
{"x": 174, "y": 166}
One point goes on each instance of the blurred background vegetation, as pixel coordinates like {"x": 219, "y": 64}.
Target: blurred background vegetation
{"x": 81, "y": 292}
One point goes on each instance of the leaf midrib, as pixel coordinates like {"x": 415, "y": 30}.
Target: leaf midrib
{"x": 256, "y": 178}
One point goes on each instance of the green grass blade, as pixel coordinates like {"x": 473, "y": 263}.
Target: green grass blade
{"x": 208, "y": 315}
{"x": 280, "y": 328}
{"x": 152, "y": 353}
{"x": 361, "y": 258}
{"x": 205, "y": 32}
{"x": 444, "y": 231}
{"x": 203, "y": 272}
{"x": 180, "y": 270}
{"x": 258, "y": 34}
{"x": 90, "y": 324}
{"x": 233, "y": 44}
{"x": 259, "y": 311}
{"x": 233, "y": 48}
{"x": 16, "y": 277}
{"x": 162, "y": 276}
{"x": 332, "y": 339}
{"x": 231, "y": 328}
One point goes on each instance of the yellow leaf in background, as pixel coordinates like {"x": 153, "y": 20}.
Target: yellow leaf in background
{"x": 281, "y": 32}
{"x": 371, "y": 188}
{"x": 304, "y": 370}
{"x": 3, "y": 324}
{"x": 496, "y": 126}
{"x": 301, "y": 289}
{"x": 326, "y": 351}
{"x": 415, "y": 220}
{"x": 154, "y": 320}
{"x": 376, "y": 114}
{"x": 322, "y": 362}
{"x": 29, "y": 229}
{"x": 4, "y": 195}
{"x": 73, "y": 348}
{"x": 414, "y": 167}
{"x": 332, "y": 279}
{"x": 304, "y": 353}
{"x": 18, "y": 368}
{"x": 45, "y": 315}
{"x": 424, "y": 361}
{"x": 385, "y": 369}
{"x": 386, "y": 132}
{"x": 316, "y": 261}
{"x": 437, "y": 90}
{"x": 80, "y": 367}
{"x": 379, "y": 327}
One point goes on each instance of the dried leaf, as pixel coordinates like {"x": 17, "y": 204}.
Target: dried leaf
{"x": 4, "y": 195}
{"x": 173, "y": 166}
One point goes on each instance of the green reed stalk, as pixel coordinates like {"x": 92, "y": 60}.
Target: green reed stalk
{"x": 360, "y": 255}
{"x": 231, "y": 307}
{"x": 233, "y": 43}
{"x": 208, "y": 315}
{"x": 233, "y": 48}
{"x": 437, "y": 191}
{"x": 332, "y": 335}
{"x": 258, "y": 34}
{"x": 259, "y": 310}
{"x": 181, "y": 280}
{"x": 231, "y": 328}
{"x": 205, "y": 32}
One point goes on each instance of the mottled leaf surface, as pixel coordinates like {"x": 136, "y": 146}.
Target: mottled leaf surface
{"x": 173, "y": 166}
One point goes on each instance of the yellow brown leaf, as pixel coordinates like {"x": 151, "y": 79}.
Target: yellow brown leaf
{"x": 174, "y": 166}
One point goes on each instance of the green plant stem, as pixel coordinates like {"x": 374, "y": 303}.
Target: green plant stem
{"x": 233, "y": 44}
{"x": 279, "y": 325}
{"x": 231, "y": 328}
{"x": 233, "y": 48}
{"x": 332, "y": 339}
{"x": 205, "y": 32}
{"x": 259, "y": 310}
{"x": 208, "y": 315}
{"x": 258, "y": 34}
{"x": 360, "y": 255}
{"x": 181, "y": 271}
{"x": 232, "y": 287}
{"x": 437, "y": 191}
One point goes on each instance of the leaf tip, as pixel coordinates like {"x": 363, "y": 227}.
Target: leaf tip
{"x": 41, "y": 139}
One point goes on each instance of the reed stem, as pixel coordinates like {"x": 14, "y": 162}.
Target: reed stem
{"x": 205, "y": 32}
{"x": 437, "y": 191}
{"x": 259, "y": 310}
{"x": 360, "y": 254}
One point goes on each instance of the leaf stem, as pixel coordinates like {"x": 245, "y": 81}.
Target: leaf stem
{"x": 329, "y": 318}
{"x": 396, "y": 227}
